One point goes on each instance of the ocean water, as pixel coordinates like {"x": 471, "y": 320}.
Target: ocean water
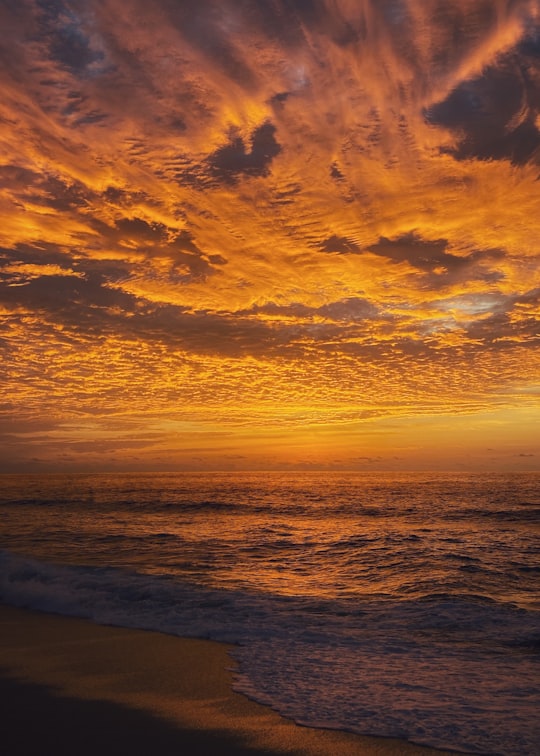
{"x": 397, "y": 605}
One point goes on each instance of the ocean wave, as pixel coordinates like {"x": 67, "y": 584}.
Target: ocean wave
{"x": 380, "y": 666}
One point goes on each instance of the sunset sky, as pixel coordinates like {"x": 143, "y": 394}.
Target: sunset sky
{"x": 269, "y": 234}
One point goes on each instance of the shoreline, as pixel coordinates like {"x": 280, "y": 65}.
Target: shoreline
{"x": 71, "y": 686}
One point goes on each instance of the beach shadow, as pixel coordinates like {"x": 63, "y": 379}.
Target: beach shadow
{"x": 39, "y": 721}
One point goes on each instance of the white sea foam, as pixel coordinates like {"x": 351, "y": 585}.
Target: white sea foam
{"x": 449, "y": 671}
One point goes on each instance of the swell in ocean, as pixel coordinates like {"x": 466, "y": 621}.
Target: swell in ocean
{"x": 406, "y": 609}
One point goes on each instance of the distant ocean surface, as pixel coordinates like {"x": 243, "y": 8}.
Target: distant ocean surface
{"x": 402, "y": 605}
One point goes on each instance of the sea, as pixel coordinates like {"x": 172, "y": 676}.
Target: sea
{"x": 403, "y": 605}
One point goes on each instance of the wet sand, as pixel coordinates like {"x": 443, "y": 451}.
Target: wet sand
{"x": 68, "y": 686}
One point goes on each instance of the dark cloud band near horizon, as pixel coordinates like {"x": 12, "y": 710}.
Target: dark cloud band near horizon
{"x": 276, "y": 227}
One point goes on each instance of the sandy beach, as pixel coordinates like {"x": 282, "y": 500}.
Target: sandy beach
{"x": 71, "y": 687}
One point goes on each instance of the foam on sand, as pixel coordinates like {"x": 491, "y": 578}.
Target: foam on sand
{"x": 70, "y": 686}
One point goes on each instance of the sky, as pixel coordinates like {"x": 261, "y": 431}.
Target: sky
{"x": 279, "y": 234}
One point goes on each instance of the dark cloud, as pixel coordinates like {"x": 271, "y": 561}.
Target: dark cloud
{"x": 14, "y": 176}
{"x": 155, "y": 240}
{"x": 123, "y": 197}
{"x": 350, "y": 309}
{"x": 336, "y": 173}
{"x": 440, "y": 267}
{"x": 44, "y": 254}
{"x": 494, "y": 116}
{"x": 233, "y": 160}
{"x": 41, "y": 254}
{"x": 287, "y": 195}
{"x": 340, "y": 245}
{"x": 203, "y": 24}
{"x": 140, "y": 230}
{"x": 508, "y": 320}
{"x": 459, "y": 26}
{"x": 282, "y": 20}
{"x": 431, "y": 258}
{"x": 68, "y": 43}
{"x": 345, "y": 33}
{"x": 11, "y": 427}
{"x": 229, "y": 163}
{"x": 90, "y": 308}
{"x": 176, "y": 124}
{"x": 71, "y": 299}
{"x": 316, "y": 16}
{"x": 530, "y": 45}
{"x": 90, "y": 305}
{"x": 90, "y": 118}
{"x": 60, "y": 195}
{"x": 280, "y": 98}
{"x": 425, "y": 255}
{"x": 44, "y": 189}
